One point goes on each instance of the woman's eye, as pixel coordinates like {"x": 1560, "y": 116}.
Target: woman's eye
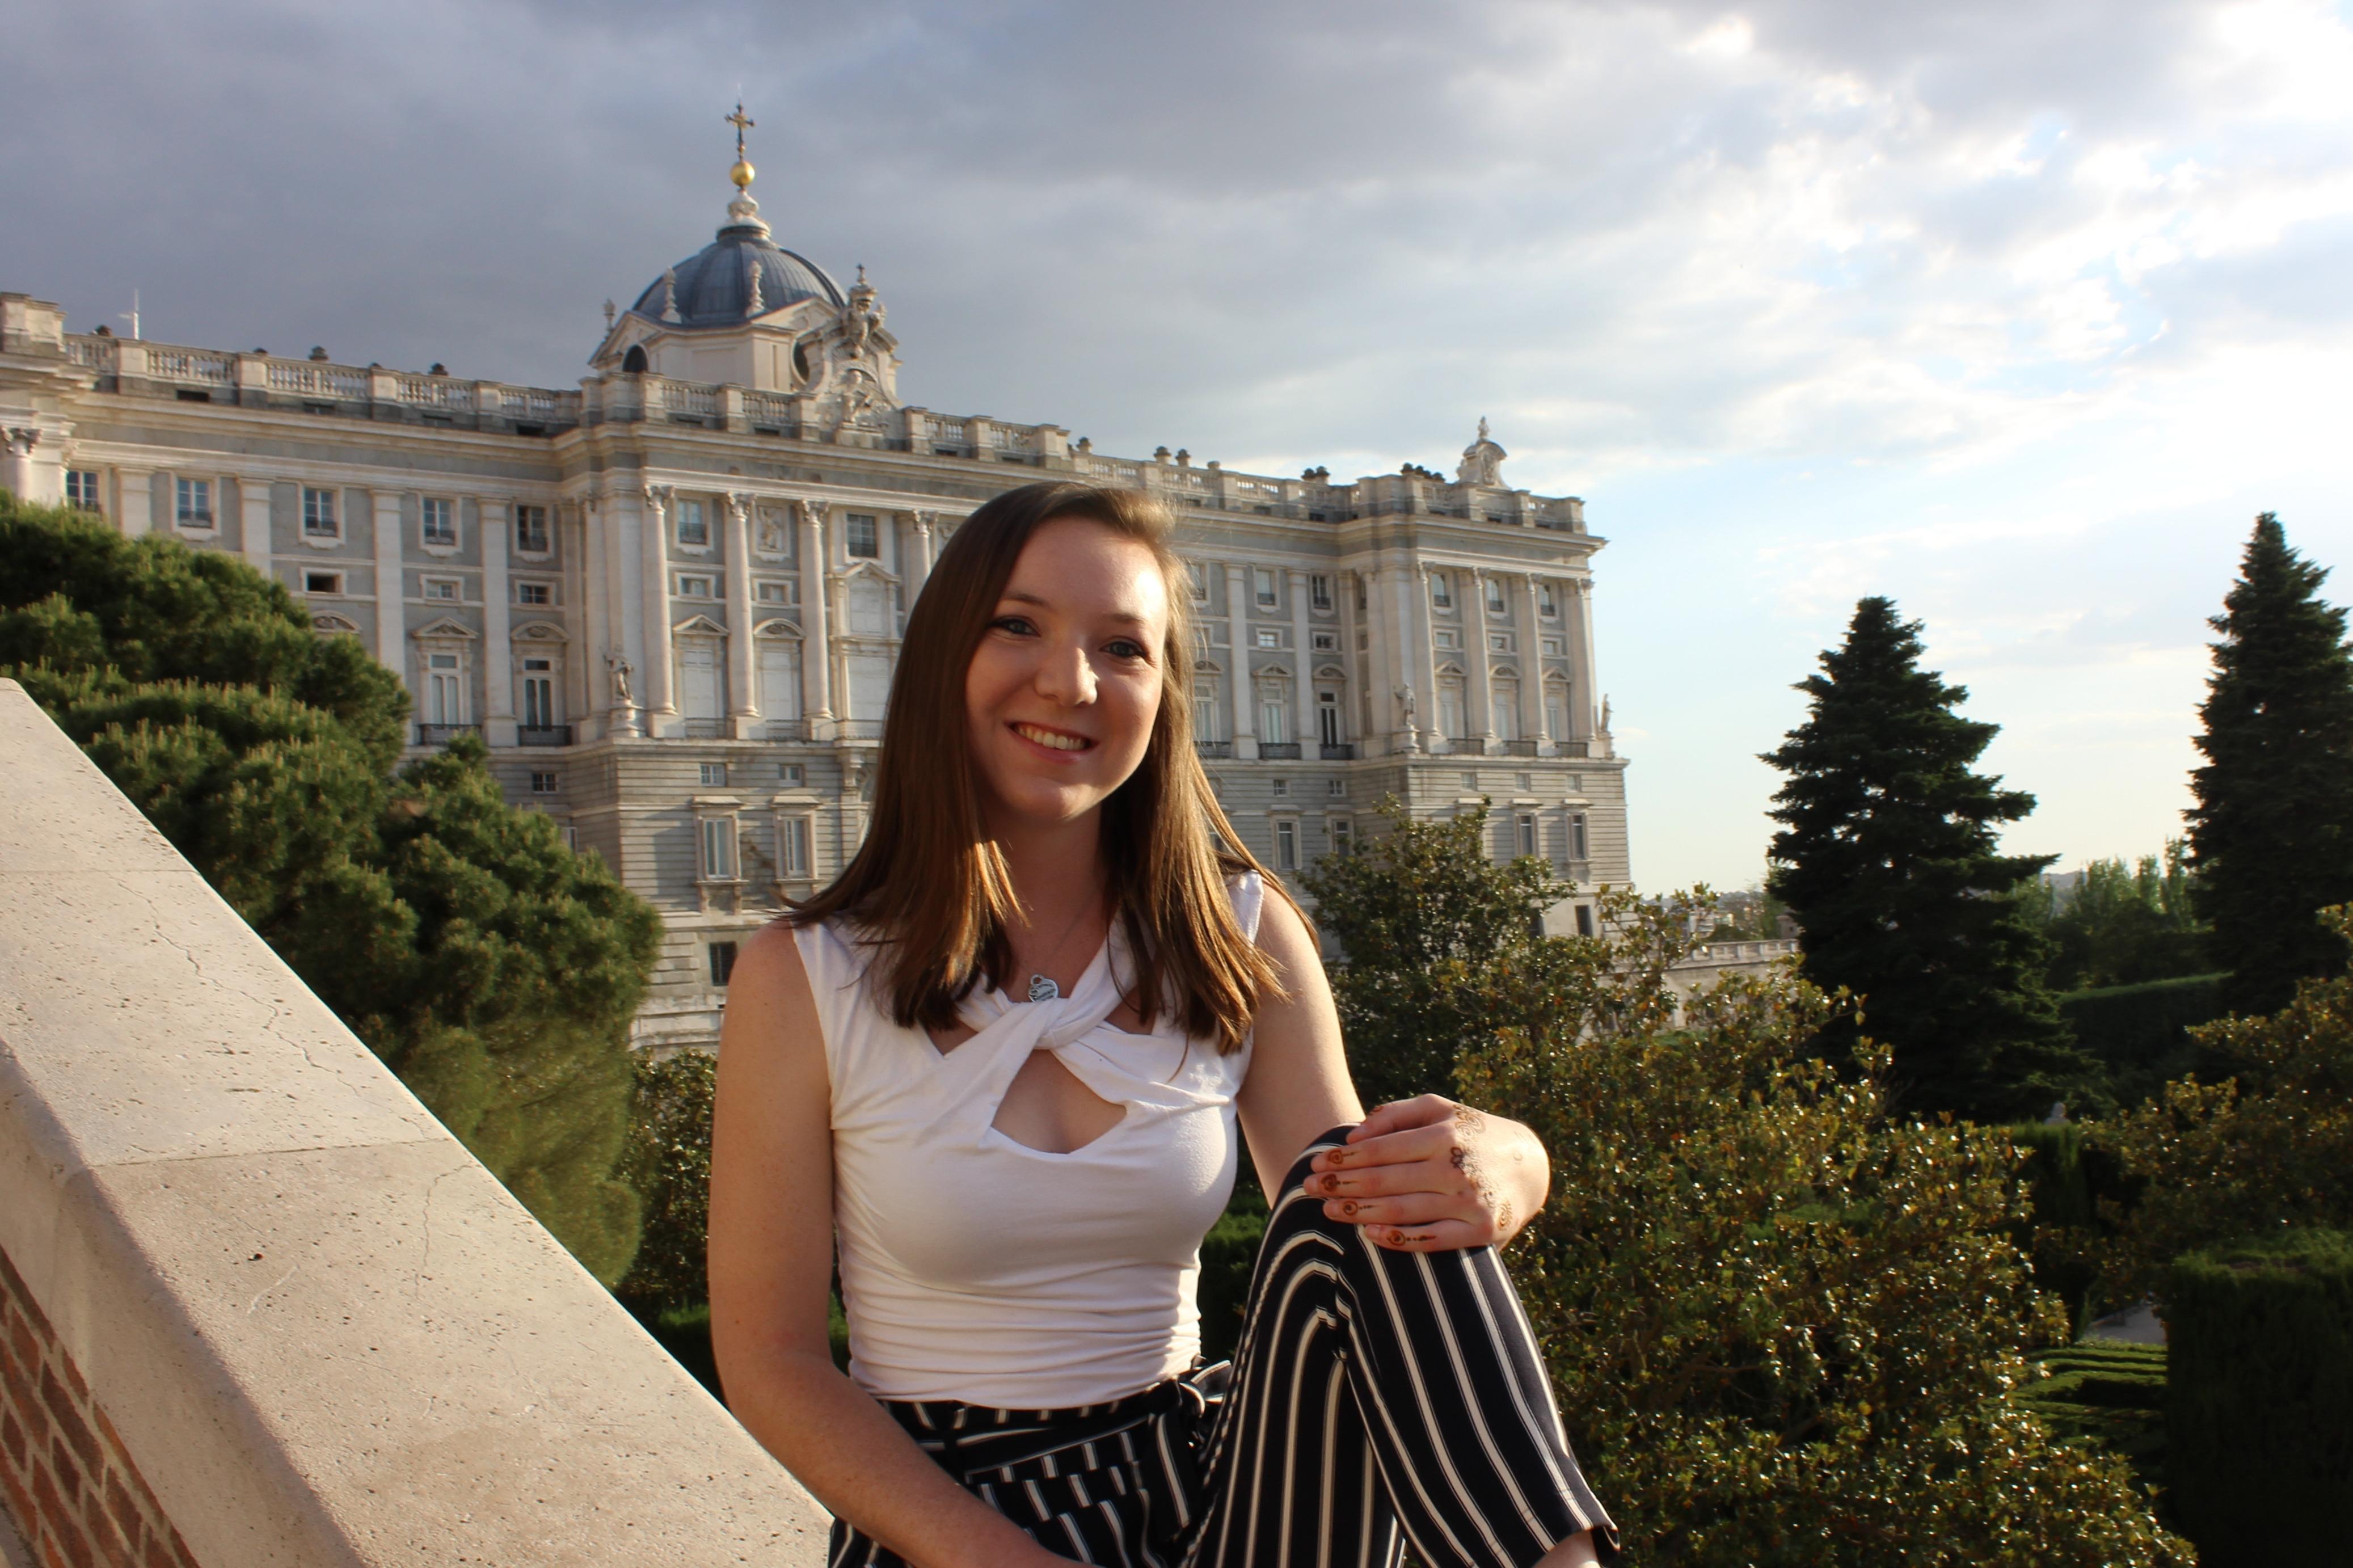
{"x": 1124, "y": 649}
{"x": 1017, "y": 625}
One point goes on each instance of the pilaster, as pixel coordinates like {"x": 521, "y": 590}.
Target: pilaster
{"x": 1302, "y": 685}
{"x": 495, "y": 519}
{"x": 1244, "y": 698}
{"x": 653, "y": 550}
{"x": 391, "y": 600}
{"x": 742, "y": 701}
{"x": 253, "y": 540}
{"x": 134, "y": 503}
{"x": 817, "y": 644}
{"x": 1478, "y": 688}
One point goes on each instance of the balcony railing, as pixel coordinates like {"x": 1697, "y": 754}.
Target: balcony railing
{"x": 1575, "y": 748}
{"x": 789, "y": 728}
{"x": 1466, "y": 745}
{"x": 1215, "y": 751}
{"x": 703, "y": 728}
{"x": 859, "y": 730}
{"x": 1332, "y": 753}
{"x": 442, "y": 734}
{"x": 544, "y": 735}
{"x": 1519, "y": 748}
{"x": 1279, "y": 751}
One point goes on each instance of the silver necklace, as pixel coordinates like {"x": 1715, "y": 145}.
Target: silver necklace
{"x": 1042, "y": 987}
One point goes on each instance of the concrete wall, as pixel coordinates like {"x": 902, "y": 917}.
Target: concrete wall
{"x": 301, "y": 1316}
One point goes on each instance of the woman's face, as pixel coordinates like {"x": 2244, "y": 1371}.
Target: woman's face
{"x": 1063, "y": 690}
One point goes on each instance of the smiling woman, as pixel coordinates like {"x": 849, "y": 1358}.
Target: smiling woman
{"x": 1013, "y": 1053}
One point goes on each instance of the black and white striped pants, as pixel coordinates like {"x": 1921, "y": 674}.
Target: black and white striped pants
{"x": 1377, "y": 1397}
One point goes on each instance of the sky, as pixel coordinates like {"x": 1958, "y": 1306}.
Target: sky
{"x": 2017, "y": 312}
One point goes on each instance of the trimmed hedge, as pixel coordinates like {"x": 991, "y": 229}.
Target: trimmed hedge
{"x": 2141, "y": 1033}
{"x": 2067, "y": 1173}
{"x": 2259, "y": 1400}
{"x": 2110, "y": 1395}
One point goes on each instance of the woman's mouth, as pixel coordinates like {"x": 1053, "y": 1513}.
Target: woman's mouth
{"x": 1052, "y": 740}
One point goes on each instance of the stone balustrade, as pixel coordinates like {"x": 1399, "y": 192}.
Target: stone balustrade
{"x": 260, "y": 1306}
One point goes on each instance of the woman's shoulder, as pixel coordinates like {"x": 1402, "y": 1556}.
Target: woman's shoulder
{"x": 1246, "y": 891}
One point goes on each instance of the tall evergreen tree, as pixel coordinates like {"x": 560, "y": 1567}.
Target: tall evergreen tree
{"x": 2271, "y": 833}
{"x": 1887, "y": 860}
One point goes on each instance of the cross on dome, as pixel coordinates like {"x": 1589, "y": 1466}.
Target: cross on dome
{"x": 741, "y": 172}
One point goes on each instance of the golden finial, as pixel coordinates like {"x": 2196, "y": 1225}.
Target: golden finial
{"x": 741, "y": 172}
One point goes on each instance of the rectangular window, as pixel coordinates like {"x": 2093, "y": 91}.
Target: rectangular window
{"x": 445, "y": 697}
{"x": 1286, "y": 846}
{"x": 1269, "y": 638}
{"x": 1585, "y": 920}
{"x": 694, "y": 587}
{"x": 534, "y": 593}
{"x": 195, "y": 503}
{"x": 530, "y": 529}
{"x": 440, "y": 523}
{"x": 796, "y": 845}
{"x": 791, "y": 774}
{"x": 1282, "y": 788}
{"x": 1528, "y": 826}
{"x": 1441, "y": 591}
{"x": 1263, "y": 577}
{"x": 81, "y": 489}
{"x": 714, "y": 775}
{"x": 1319, "y": 592}
{"x": 718, "y": 848}
{"x": 1327, "y": 719}
{"x": 322, "y": 582}
{"x": 693, "y": 525}
{"x": 1499, "y": 642}
{"x": 1360, "y": 594}
{"x": 1200, "y": 582}
{"x": 1577, "y": 850}
{"x": 1525, "y": 782}
{"x": 1555, "y": 646}
{"x": 1469, "y": 781}
{"x": 1495, "y": 606}
{"x": 723, "y": 962}
{"x": 1326, "y": 642}
{"x": 318, "y": 514}
{"x": 441, "y": 588}
{"x": 1545, "y": 604}
{"x": 1344, "y": 835}
{"x": 1448, "y": 638}
{"x": 1274, "y": 718}
{"x": 861, "y": 537}
{"x": 571, "y": 837}
{"x": 539, "y": 695}
{"x": 771, "y": 592}
{"x": 542, "y": 784}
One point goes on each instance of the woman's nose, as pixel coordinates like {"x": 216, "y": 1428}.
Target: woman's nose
{"x": 1068, "y": 677}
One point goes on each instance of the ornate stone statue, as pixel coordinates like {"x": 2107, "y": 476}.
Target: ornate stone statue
{"x": 1406, "y": 704}
{"x": 773, "y": 540}
{"x": 1483, "y": 460}
{"x": 1605, "y": 715}
{"x": 621, "y": 671}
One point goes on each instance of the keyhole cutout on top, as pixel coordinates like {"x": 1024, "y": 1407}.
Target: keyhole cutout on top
{"x": 1046, "y": 1107}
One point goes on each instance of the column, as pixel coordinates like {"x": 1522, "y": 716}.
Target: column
{"x": 1352, "y": 690}
{"x": 391, "y": 598}
{"x": 1427, "y": 666}
{"x": 1393, "y": 656}
{"x": 1584, "y": 712}
{"x": 135, "y": 505}
{"x": 22, "y": 439}
{"x": 253, "y": 539}
{"x": 1479, "y": 690}
{"x": 654, "y": 552}
{"x": 625, "y": 617}
{"x": 495, "y": 518}
{"x": 1302, "y": 686}
{"x": 590, "y": 687}
{"x": 817, "y": 658}
{"x": 919, "y": 558}
{"x": 1237, "y": 676}
{"x": 1531, "y": 629}
{"x": 743, "y": 697}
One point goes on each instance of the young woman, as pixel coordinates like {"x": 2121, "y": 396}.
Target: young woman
{"x": 1000, "y": 1063}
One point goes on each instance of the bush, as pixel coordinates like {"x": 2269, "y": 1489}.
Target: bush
{"x": 2111, "y": 1395}
{"x": 2259, "y": 1399}
{"x": 2141, "y": 1033}
{"x": 1785, "y": 1330}
{"x": 667, "y": 1163}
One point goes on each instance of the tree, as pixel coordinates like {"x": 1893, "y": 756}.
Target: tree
{"x": 2272, "y": 834}
{"x": 1887, "y": 859}
{"x": 2124, "y": 925}
{"x": 1785, "y": 1328}
{"x": 668, "y": 1164}
{"x": 2266, "y": 1149}
{"x": 490, "y": 967}
{"x": 1403, "y": 903}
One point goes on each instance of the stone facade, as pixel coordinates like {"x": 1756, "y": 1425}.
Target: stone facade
{"x": 671, "y": 600}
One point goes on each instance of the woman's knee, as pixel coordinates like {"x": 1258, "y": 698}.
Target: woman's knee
{"x": 1295, "y": 1178}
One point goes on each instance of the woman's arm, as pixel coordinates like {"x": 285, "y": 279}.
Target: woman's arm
{"x": 1425, "y": 1174}
{"x": 771, "y": 1268}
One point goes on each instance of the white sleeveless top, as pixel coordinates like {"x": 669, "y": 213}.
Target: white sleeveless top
{"x": 975, "y": 1267}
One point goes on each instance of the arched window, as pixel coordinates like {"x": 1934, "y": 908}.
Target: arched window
{"x": 634, "y": 361}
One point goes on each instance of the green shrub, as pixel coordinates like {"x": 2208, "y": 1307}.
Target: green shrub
{"x": 2111, "y": 1395}
{"x": 666, "y": 1163}
{"x": 2141, "y": 1033}
{"x": 2259, "y": 1399}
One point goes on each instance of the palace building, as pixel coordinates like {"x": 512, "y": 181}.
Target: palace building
{"x": 670, "y": 600}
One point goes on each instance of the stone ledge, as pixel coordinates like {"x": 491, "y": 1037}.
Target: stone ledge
{"x": 324, "y": 1332}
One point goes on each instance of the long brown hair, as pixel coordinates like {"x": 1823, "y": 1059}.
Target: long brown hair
{"x": 933, "y": 892}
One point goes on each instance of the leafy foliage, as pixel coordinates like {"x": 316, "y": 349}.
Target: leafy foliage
{"x": 2264, "y": 1151}
{"x": 1405, "y": 904}
{"x": 488, "y": 964}
{"x": 1887, "y": 859}
{"x": 1786, "y": 1330}
{"x": 667, "y": 1164}
{"x": 2271, "y": 833}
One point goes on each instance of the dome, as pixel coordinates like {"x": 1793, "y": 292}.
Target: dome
{"x": 712, "y": 287}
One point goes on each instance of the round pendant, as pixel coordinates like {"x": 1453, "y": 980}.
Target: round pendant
{"x": 1042, "y": 989}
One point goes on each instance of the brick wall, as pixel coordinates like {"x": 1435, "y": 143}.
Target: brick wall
{"x": 69, "y": 1483}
